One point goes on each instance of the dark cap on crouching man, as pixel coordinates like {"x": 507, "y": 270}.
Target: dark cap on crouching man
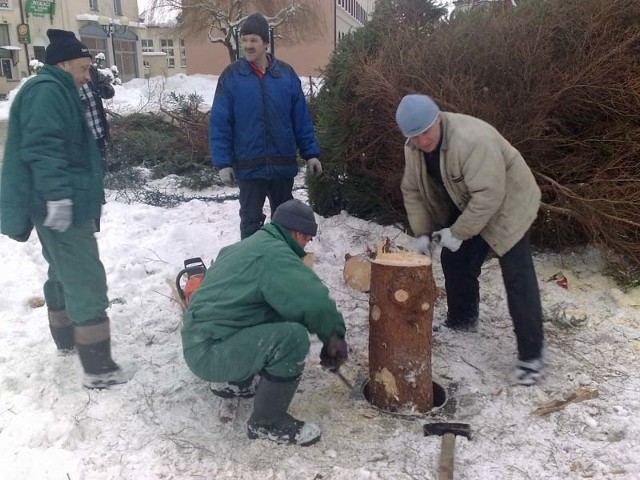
{"x": 466, "y": 188}
{"x": 50, "y": 153}
{"x": 250, "y": 320}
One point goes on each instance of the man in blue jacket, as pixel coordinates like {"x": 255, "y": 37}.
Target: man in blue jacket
{"x": 52, "y": 179}
{"x": 259, "y": 121}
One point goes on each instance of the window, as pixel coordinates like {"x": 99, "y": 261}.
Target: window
{"x": 93, "y": 5}
{"x": 117, "y": 7}
{"x": 166, "y": 46}
{"x": 39, "y": 53}
{"x": 147, "y": 45}
{"x": 95, "y": 46}
{"x": 4, "y": 40}
{"x": 4, "y": 35}
{"x": 183, "y": 54}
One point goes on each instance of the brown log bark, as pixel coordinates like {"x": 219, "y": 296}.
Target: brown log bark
{"x": 401, "y": 301}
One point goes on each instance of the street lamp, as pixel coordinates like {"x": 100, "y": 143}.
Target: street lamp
{"x": 111, "y": 28}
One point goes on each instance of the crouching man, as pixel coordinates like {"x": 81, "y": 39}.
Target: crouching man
{"x": 252, "y": 317}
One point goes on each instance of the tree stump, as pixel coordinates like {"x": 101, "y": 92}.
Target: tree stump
{"x": 401, "y": 301}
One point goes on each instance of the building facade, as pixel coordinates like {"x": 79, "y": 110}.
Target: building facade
{"x": 112, "y": 27}
{"x": 107, "y": 26}
{"x": 336, "y": 19}
{"x": 163, "y": 50}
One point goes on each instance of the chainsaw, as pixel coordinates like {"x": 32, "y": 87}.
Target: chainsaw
{"x": 189, "y": 279}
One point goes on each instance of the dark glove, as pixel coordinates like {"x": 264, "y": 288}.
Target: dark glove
{"x": 334, "y": 353}
{"x": 105, "y": 89}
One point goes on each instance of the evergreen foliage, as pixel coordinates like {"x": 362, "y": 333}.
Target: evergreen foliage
{"x": 354, "y": 177}
{"x": 173, "y": 142}
{"x": 560, "y": 80}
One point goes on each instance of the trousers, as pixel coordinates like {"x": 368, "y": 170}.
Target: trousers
{"x": 461, "y": 272}
{"x": 277, "y": 350}
{"x": 253, "y": 193}
{"x": 76, "y": 279}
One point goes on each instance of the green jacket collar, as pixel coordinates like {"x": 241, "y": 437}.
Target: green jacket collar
{"x": 279, "y": 231}
{"x": 65, "y": 78}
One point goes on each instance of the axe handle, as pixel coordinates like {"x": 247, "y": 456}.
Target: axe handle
{"x": 447, "y": 450}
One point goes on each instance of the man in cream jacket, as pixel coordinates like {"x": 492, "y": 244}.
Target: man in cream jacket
{"x": 469, "y": 190}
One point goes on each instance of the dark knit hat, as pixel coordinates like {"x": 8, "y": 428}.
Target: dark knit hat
{"x": 297, "y": 216}
{"x": 256, "y": 24}
{"x": 64, "y": 46}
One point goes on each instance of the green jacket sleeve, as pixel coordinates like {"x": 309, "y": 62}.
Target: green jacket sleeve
{"x": 298, "y": 295}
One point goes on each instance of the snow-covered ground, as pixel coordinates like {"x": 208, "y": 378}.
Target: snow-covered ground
{"x": 166, "y": 424}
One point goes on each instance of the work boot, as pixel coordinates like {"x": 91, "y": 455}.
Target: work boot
{"x": 243, "y": 389}
{"x": 270, "y": 419}
{"x": 94, "y": 348}
{"x": 528, "y": 372}
{"x": 61, "y": 330}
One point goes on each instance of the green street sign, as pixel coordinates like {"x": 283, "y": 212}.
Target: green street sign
{"x": 40, "y": 8}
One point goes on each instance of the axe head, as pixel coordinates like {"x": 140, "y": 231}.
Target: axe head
{"x": 440, "y": 428}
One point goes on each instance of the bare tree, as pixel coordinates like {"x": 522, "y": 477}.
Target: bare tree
{"x": 295, "y": 20}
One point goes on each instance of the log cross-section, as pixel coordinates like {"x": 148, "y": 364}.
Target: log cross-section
{"x": 400, "y": 320}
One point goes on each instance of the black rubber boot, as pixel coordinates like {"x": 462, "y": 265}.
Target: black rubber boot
{"x": 270, "y": 419}
{"x": 243, "y": 389}
{"x": 94, "y": 349}
{"x": 61, "y": 330}
{"x": 462, "y": 324}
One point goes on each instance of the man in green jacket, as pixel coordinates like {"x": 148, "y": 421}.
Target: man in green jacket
{"x": 468, "y": 189}
{"x": 52, "y": 180}
{"x": 252, "y": 316}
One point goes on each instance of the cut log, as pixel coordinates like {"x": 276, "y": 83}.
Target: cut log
{"x": 401, "y": 301}
{"x": 357, "y": 272}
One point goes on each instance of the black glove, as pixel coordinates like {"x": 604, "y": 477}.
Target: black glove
{"x": 334, "y": 353}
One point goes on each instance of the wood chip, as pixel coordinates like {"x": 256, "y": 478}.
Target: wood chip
{"x": 580, "y": 395}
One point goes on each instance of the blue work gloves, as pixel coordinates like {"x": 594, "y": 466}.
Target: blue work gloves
{"x": 314, "y": 166}
{"x": 59, "y": 214}
{"x": 446, "y": 239}
{"x": 228, "y": 176}
{"x": 334, "y": 353}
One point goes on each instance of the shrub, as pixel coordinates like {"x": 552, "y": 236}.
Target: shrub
{"x": 172, "y": 142}
{"x": 560, "y": 80}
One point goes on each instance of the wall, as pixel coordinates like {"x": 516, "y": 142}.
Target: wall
{"x": 163, "y": 39}
{"x": 13, "y": 65}
{"x": 76, "y": 16}
{"x": 306, "y": 58}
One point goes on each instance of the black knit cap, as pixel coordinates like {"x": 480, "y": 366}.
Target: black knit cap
{"x": 297, "y": 216}
{"x": 256, "y": 24}
{"x": 64, "y": 46}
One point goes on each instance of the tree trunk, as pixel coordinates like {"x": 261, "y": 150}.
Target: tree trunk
{"x": 401, "y": 301}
